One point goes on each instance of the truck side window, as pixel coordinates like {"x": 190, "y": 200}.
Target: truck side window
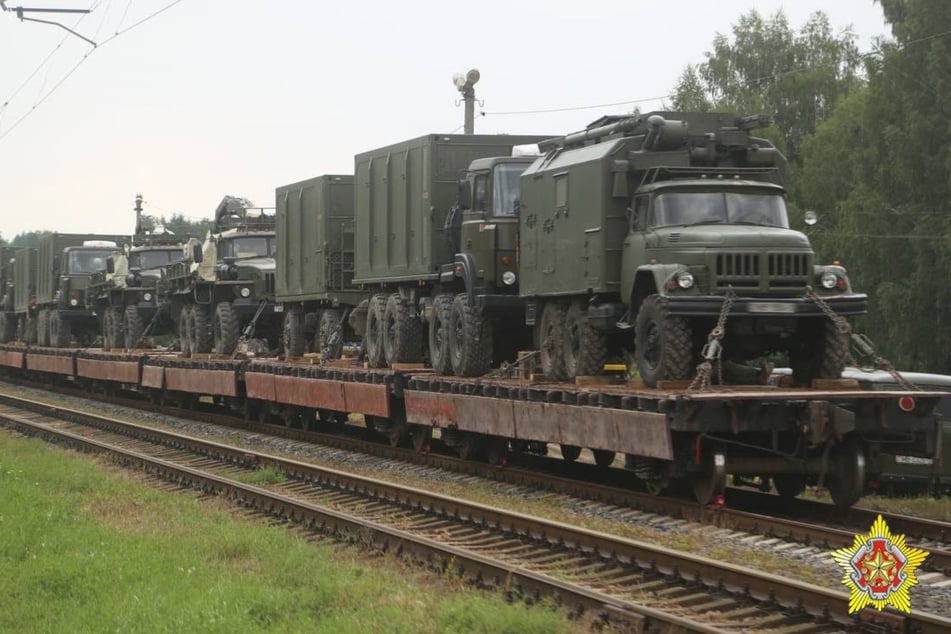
{"x": 479, "y": 194}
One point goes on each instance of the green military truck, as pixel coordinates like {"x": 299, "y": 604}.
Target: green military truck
{"x": 125, "y": 295}
{"x": 315, "y": 263}
{"x": 674, "y": 225}
{"x": 223, "y": 290}
{"x": 403, "y": 196}
{"x": 65, "y": 265}
{"x": 8, "y": 320}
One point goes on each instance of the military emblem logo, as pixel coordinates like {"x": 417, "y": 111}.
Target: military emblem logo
{"x": 879, "y": 569}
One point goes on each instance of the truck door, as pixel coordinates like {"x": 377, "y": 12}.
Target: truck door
{"x": 635, "y": 245}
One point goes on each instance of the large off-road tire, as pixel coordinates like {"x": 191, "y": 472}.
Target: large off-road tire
{"x": 820, "y": 352}
{"x": 226, "y": 329}
{"x": 134, "y": 327}
{"x": 470, "y": 339}
{"x": 402, "y": 333}
{"x": 294, "y": 342}
{"x": 330, "y": 335}
{"x": 115, "y": 323}
{"x": 663, "y": 344}
{"x": 551, "y": 340}
{"x": 439, "y": 334}
{"x": 185, "y": 330}
{"x": 43, "y": 327}
{"x": 201, "y": 335}
{"x": 61, "y": 331}
{"x": 8, "y": 327}
{"x": 585, "y": 348}
{"x": 106, "y": 328}
{"x": 376, "y": 329}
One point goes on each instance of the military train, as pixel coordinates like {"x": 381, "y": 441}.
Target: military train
{"x": 447, "y": 267}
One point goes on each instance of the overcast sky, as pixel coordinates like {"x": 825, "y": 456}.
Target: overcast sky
{"x": 217, "y": 97}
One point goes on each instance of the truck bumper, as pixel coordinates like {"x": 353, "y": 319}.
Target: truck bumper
{"x": 710, "y": 306}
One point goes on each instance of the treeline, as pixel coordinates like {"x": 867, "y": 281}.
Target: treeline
{"x": 868, "y": 135}
{"x": 176, "y": 223}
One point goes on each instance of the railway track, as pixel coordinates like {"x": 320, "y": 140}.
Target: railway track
{"x": 598, "y": 576}
{"x": 803, "y": 521}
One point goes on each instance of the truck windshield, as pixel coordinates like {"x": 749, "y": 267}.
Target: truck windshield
{"x": 505, "y": 185}
{"x": 251, "y": 247}
{"x": 690, "y": 208}
{"x": 86, "y": 261}
{"x": 154, "y": 259}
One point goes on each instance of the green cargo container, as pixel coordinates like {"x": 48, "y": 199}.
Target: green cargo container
{"x": 403, "y": 193}
{"x": 24, "y": 278}
{"x": 314, "y": 238}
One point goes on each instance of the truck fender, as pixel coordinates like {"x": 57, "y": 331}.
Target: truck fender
{"x": 465, "y": 267}
{"x": 651, "y": 279}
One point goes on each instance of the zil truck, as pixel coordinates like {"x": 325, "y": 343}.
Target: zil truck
{"x": 125, "y": 295}
{"x": 65, "y": 264}
{"x": 222, "y": 291}
{"x": 667, "y": 231}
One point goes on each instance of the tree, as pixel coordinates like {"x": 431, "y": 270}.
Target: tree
{"x": 795, "y": 77}
{"x": 28, "y": 238}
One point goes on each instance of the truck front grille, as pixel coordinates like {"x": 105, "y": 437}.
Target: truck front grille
{"x": 762, "y": 271}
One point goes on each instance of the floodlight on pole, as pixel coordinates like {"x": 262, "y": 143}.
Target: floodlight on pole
{"x": 464, "y": 84}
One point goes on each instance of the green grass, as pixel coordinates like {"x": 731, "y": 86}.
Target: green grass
{"x": 260, "y": 477}
{"x": 85, "y": 549}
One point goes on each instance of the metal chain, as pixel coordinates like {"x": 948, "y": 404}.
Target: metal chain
{"x": 860, "y": 342}
{"x": 713, "y": 349}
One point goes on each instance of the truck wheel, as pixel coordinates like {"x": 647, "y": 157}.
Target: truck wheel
{"x": 551, "y": 340}
{"x": 293, "y": 331}
{"x": 439, "y": 334}
{"x": 201, "y": 337}
{"x": 402, "y": 331}
{"x": 28, "y": 329}
{"x": 470, "y": 339}
{"x": 185, "y": 330}
{"x": 821, "y": 353}
{"x": 60, "y": 330}
{"x": 116, "y": 323}
{"x": 330, "y": 335}
{"x": 8, "y": 327}
{"x": 43, "y": 327}
{"x": 585, "y": 348}
{"x": 376, "y": 354}
{"x": 662, "y": 344}
{"x": 134, "y": 328}
{"x": 226, "y": 328}
{"x": 106, "y": 328}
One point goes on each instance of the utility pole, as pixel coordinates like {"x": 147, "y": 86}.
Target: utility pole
{"x": 21, "y": 10}
{"x": 465, "y": 84}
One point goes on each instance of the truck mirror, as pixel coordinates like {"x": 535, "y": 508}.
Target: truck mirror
{"x": 463, "y": 196}
{"x": 196, "y": 253}
{"x": 110, "y": 265}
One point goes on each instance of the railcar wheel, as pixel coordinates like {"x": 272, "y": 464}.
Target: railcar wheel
{"x": 604, "y": 458}
{"x": 293, "y": 332}
{"x": 185, "y": 330}
{"x": 470, "y": 338}
{"x": 662, "y": 344}
{"x": 61, "y": 331}
{"x": 585, "y": 348}
{"x": 402, "y": 331}
{"x": 226, "y": 330}
{"x": 422, "y": 437}
{"x": 789, "y": 485}
{"x": 710, "y": 481}
{"x": 496, "y": 450}
{"x": 330, "y": 335}
{"x": 551, "y": 340}
{"x": 134, "y": 327}
{"x": 470, "y": 446}
{"x": 570, "y": 453}
{"x": 847, "y": 480}
{"x": 439, "y": 325}
{"x": 201, "y": 335}
{"x": 376, "y": 327}
{"x": 43, "y": 327}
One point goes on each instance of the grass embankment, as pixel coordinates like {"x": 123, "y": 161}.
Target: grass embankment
{"x": 84, "y": 548}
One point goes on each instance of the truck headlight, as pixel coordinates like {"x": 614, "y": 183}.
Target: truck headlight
{"x": 508, "y": 278}
{"x": 684, "y": 279}
{"x": 74, "y": 302}
{"x": 245, "y": 292}
{"x": 147, "y": 297}
{"x": 828, "y": 280}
